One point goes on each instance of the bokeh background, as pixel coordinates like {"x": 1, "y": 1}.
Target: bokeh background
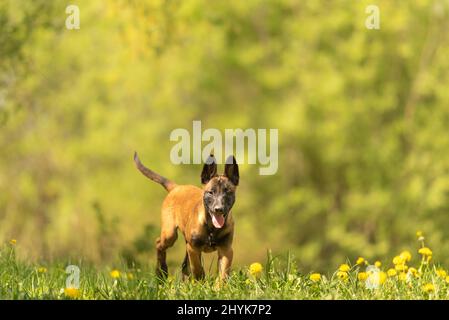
{"x": 363, "y": 119}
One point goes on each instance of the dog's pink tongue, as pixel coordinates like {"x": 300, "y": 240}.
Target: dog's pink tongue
{"x": 218, "y": 220}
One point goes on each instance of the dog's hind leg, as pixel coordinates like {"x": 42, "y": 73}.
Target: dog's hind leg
{"x": 165, "y": 241}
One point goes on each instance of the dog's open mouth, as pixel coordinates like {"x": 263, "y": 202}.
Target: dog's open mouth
{"x": 218, "y": 220}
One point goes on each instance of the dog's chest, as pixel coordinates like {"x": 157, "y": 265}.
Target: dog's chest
{"x": 209, "y": 240}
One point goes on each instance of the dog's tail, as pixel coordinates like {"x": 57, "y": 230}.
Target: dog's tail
{"x": 167, "y": 184}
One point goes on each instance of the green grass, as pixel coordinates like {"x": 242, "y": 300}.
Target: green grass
{"x": 279, "y": 279}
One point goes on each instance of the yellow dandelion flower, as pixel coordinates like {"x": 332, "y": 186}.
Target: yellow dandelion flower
{"x": 441, "y": 273}
{"x": 42, "y": 270}
{"x": 402, "y": 276}
{"x": 413, "y": 271}
{"x": 377, "y": 264}
{"x": 255, "y": 269}
{"x": 398, "y": 260}
{"x": 129, "y": 276}
{"x": 360, "y": 260}
{"x": 315, "y": 277}
{"x": 391, "y": 272}
{"x": 447, "y": 279}
{"x": 382, "y": 277}
{"x": 401, "y": 267}
{"x": 406, "y": 256}
{"x": 13, "y": 242}
{"x": 362, "y": 276}
{"x": 425, "y": 251}
{"x": 115, "y": 274}
{"x": 344, "y": 268}
{"x": 342, "y": 275}
{"x": 428, "y": 287}
{"x": 72, "y": 292}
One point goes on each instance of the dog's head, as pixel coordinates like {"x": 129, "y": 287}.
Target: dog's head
{"x": 219, "y": 190}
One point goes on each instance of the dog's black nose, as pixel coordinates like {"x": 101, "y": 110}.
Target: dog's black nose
{"x": 218, "y": 209}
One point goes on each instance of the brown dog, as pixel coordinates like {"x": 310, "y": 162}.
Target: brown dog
{"x": 202, "y": 215}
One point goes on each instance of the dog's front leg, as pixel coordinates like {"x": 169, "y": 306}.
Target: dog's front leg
{"x": 225, "y": 255}
{"x": 186, "y": 266}
{"x": 195, "y": 262}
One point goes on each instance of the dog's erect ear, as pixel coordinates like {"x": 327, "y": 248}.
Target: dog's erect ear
{"x": 232, "y": 170}
{"x": 209, "y": 169}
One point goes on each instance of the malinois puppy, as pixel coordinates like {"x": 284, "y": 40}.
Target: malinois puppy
{"x": 202, "y": 215}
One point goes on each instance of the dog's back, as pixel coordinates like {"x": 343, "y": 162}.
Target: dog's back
{"x": 184, "y": 205}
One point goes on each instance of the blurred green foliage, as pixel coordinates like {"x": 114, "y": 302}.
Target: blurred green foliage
{"x": 362, "y": 118}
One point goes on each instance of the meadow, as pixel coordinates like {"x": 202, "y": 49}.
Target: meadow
{"x": 276, "y": 278}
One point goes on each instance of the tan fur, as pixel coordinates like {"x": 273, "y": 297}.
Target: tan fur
{"x": 183, "y": 210}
